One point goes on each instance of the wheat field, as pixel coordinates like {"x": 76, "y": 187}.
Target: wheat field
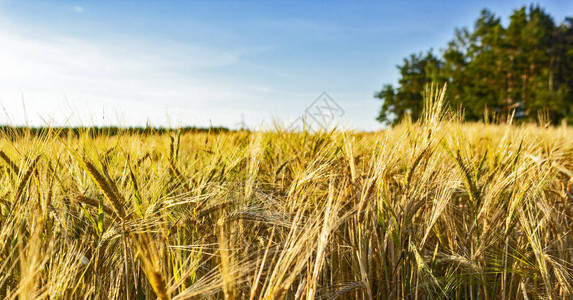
{"x": 436, "y": 209}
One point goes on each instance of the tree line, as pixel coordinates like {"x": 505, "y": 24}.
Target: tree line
{"x": 524, "y": 69}
{"x": 13, "y": 132}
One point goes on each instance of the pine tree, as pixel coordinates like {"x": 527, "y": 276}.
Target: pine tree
{"x": 417, "y": 71}
{"x": 525, "y": 69}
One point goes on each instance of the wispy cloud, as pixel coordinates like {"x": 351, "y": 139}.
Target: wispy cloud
{"x": 79, "y": 9}
{"x": 131, "y": 81}
{"x": 301, "y": 25}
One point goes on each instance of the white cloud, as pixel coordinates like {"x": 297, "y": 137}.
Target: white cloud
{"x": 79, "y": 9}
{"x": 130, "y": 81}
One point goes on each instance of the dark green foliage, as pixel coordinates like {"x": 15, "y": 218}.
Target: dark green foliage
{"x": 525, "y": 68}
{"x": 416, "y": 72}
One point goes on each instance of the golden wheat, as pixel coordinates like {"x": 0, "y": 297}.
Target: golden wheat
{"x": 432, "y": 209}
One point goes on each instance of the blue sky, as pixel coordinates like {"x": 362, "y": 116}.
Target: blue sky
{"x": 178, "y": 63}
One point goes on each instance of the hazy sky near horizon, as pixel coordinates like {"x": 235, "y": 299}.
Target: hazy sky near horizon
{"x": 201, "y": 63}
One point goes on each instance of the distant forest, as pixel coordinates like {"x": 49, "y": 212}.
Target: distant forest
{"x": 17, "y": 131}
{"x": 524, "y": 69}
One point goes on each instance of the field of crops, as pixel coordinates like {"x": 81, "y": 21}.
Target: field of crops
{"x": 434, "y": 209}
